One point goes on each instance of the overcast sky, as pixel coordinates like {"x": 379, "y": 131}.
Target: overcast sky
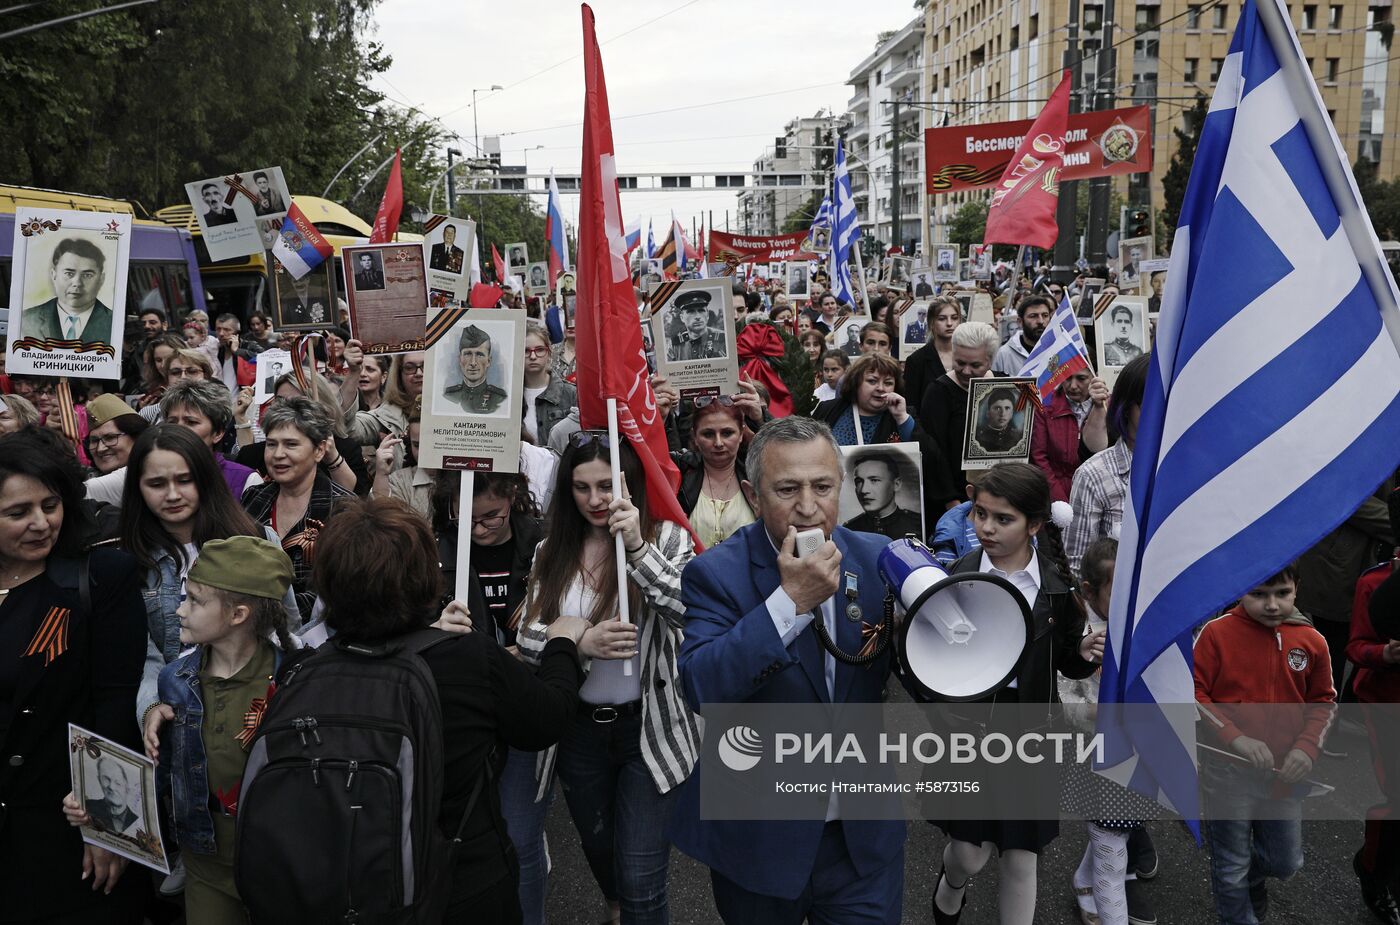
{"x": 776, "y": 59}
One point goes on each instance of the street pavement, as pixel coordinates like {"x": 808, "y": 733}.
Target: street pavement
{"x": 1324, "y": 893}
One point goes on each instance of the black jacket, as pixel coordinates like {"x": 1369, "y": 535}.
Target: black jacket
{"x": 943, "y": 414}
{"x": 921, "y": 368}
{"x": 693, "y": 477}
{"x": 525, "y": 535}
{"x": 92, "y": 683}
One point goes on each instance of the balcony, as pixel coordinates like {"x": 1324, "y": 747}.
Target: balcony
{"x": 907, "y": 74}
{"x": 859, "y": 129}
{"x": 860, "y": 100}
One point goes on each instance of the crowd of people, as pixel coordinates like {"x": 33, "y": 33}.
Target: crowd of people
{"x": 167, "y": 569}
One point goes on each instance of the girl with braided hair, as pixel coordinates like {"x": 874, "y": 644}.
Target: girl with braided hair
{"x": 1020, "y": 543}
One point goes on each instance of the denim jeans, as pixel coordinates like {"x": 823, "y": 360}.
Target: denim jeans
{"x": 1252, "y": 836}
{"x": 620, "y": 816}
{"x": 525, "y": 821}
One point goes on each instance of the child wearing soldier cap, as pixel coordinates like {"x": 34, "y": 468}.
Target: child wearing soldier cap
{"x": 231, "y": 613}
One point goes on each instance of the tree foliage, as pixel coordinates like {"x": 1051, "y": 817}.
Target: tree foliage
{"x": 502, "y": 220}
{"x": 1179, "y": 170}
{"x": 800, "y": 219}
{"x": 135, "y": 104}
{"x": 1381, "y": 198}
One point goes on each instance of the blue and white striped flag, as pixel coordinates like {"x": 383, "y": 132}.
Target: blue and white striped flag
{"x": 1272, "y": 404}
{"x": 651, "y": 242}
{"x": 824, "y": 213}
{"x": 847, "y": 229}
{"x": 1058, "y": 355}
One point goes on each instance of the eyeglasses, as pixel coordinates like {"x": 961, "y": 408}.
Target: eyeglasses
{"x": 181, "y": 372}
{"x": 489, "y": 523}
{"x": 412, "y": 369}
{"x": 107, "y": 440}
{"x": 705, "y": 401}
{"x": 585, "y": 437}
{"x": 536, "y": 351}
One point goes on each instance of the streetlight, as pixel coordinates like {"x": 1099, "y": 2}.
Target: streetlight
{"x": 451, "y": 183}
{"x": 476, "y": 138}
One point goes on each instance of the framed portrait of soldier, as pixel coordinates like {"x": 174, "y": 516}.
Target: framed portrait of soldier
{"x": 68, "y": 285}
{"x": 980, "y": 256}
{"x": 1088, "y": 294}
{"x": 1131, "y": 254}
{"x": 1120, "y": 333}
{"x": 448, "y": 243}
{"x": 1000, "y": 416}
{"x": 924, "y": 282}
{"x": 654, "y": 275}
{"x": 271, "y": 365}
{"x": 1154, "y": 281}
{"x": 537, "y": 279}
{"x": 818, "y": 240}
{"x": 883, "y": 490}
{"x": 387, "y": 313}
{"x": 567, "y": 281}
{"x": 845, "y": 334}
{"x": 913, "y": 325}
{"x": 900, "y": 272}
{"x": 117, "y": 787}
{"x": 236, "y": 212}
{"x": 517, "y": 258}
{"x": 945, "y": 263}
{"x": 473, "y": 389}
{"x": 305, "y": 304}
{"x": 799, "y": 279}
{"x": 692, "y": 328}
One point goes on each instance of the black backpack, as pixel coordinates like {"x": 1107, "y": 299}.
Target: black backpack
{"x": 338, "y": 812}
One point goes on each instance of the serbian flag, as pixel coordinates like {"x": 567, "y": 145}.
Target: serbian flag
{"x": 500, "y": 263}
{"x": 386, "y": 220}
{"x": 554, "y": 233}
{"x": 299, "y": 246}
{"x": 1059, "y": 354}
{"x": 1022, "y": 208}
{"x": 610, "y": 361}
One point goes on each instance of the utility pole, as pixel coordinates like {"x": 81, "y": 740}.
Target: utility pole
{"x": 1067, "y": 209}
{"x": 896, "y": 239}
{"x": 1099, "y": 187}
{"x": 451, "y": 182}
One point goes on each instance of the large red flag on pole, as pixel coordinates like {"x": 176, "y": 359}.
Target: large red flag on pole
{"x": 610, "y": 362}
{"x": 1022, "y": 210}
{"x": 502, "y": 277}
{"x": 386, "y": 220}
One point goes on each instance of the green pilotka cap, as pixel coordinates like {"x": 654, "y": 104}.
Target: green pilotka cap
{"x": 244, "y": 565}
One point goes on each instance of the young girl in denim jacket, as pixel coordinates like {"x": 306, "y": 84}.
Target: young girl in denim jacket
{"x": 218, "y": 692}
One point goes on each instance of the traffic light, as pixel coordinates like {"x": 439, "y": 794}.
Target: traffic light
{"x": 1139, "y": 223}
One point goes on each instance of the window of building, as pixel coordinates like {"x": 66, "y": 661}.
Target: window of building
{"x": 1034, "y": 30}
{"x": 1147, "y": 17}
{"x": 1333, "y": 64}
{"x": 1309, "y": 18}
{"x": 1015, "y": 37}
{"x": 1193, "y": 16}
{"x": 879, "y": 78}
{"x": 1191, "y": 70}
{"x": 1334, "y": 16}
{"x": 1218, "y": 16}
{"x": 1215, "y": 65}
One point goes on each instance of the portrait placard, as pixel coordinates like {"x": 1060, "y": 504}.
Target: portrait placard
{"x": 883, "y": 490}
{"x": 566, "y": 282}
{"x": 1120, "y": 332}
{"x": 448, "y": 244}
{"x": 980, "y": 308}
{"x": 239, "y": 214}
{"x": 473, "y": 389}
{"x": 924, "y": 282}
{"x": 945, "y": 263}
{"x": 517, "y": 258}
{"x": 901, "y": 270}
{"x": 692, "y": 324}
{"x": 1000, "y": 415}
{"x": 799, "y": 280}
{"x": 117, "y": 787}
{"x": 965, "y": 298}
{"x": 818, "y": 240}
{"x": 537, "y": 279}
{"x": 1154, "y": 281}
{"x": 1131, "y": 253}
{"x": 302, "y": 304}
{"x": 271, "y": 365}
{"x": 388, "y": 296}
{"x": 845, "y": 333}
{"x": 981, "y": 257}
{"x": 913, "y": 325}
{"x": 1088, "y": 294}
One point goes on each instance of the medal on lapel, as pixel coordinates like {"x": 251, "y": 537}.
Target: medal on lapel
{"x": 853, "y": 612}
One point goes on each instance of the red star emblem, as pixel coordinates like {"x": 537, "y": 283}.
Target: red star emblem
{"x": 113, "y": 226}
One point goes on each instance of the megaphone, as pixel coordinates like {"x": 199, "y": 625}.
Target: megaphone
{"x": 963, "y": 636}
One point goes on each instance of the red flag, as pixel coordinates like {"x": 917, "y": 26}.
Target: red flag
{"x": 386, "y": 220}
{"x": 496, "y": 258}
{"x": 608, "y": 334}
{"x": 1022, "y": 210}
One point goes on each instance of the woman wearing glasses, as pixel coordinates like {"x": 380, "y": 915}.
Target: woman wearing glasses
{"x": 635, "y": 740}
{"x": 403, "y": 387}
{"x": 548, "y": 397}
{"x": 712, "y": 470}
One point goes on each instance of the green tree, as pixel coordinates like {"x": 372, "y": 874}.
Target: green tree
{"x": 1179, "y": 170}
{"x": 801, "y": 218}
{"x": 502, "y": 220}
{"x": 969, "y": 224}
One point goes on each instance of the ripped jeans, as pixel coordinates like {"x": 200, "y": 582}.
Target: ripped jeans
{"x": 620, "y": 816}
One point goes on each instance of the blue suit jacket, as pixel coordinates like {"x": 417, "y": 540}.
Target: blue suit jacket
{"x": 732, "y": 653}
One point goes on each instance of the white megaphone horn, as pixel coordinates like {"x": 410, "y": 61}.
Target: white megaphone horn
{"x": 963, "y": 636}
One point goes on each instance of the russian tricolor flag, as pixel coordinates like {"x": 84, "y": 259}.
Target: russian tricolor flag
{"x": 299, "y": 246}
{"x": 633, "y": 234}
{"x": 554, "y": 233}
{"x": 1059, "y": 354}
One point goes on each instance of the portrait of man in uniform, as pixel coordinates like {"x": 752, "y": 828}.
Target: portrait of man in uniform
{"x": 516, "y": 259}
{"x": 216, "y": 211}
{"x": 878, "y": 479}
{"x": 1125, "y": 343}
{"x": 696, "y": 339}
{"x": 269, "y": 201}
{"x": 947, "y": 259}
{"x": 916, "y": 330}
{"x": 369, "y": 271}
{"x": 78, "y": 271}
{"x": 474, "y": 394}
{"x": 539, "y": 278}
{"x": 922, "y": 285}
{"x": 446, "y": 256}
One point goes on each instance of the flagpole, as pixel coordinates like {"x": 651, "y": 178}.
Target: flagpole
{"x": 860, "y": 268}
{"x": 1344, "y": 193}
{"x": 619, "y": 545}
{"x": 464, "y": 536}
{"x": 1015, "y": 274}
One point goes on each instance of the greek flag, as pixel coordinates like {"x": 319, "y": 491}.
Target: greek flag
{"x": 651, "y": 242}
{"x": 847, "y": 230}
{"x": 1272, "y": 403}
{"x": 1059, "y": 354}
{"x": 824, "y": 213}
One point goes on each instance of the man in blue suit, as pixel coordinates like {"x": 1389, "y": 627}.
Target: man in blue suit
{"x": 750, "y": 604}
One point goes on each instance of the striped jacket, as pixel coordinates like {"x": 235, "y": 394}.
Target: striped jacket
{"x": 670, "y": 736}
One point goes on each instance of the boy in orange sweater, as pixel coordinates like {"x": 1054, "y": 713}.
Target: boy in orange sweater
{"x": 1264, "y": 651}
